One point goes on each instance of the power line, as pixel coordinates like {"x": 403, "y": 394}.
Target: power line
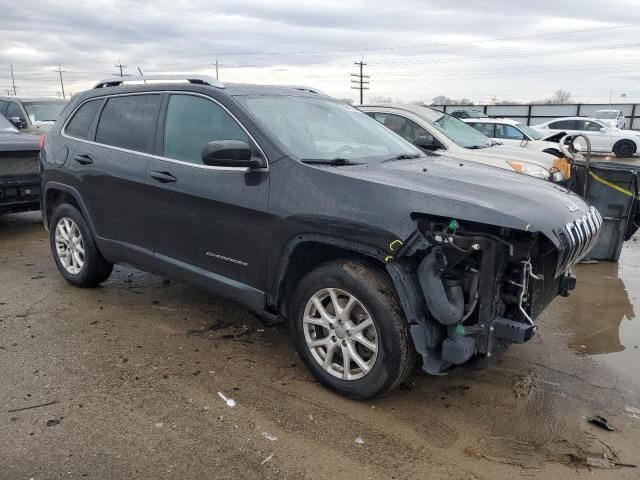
{"x": 401, "y": 47}
{"x": 362, "y": 82}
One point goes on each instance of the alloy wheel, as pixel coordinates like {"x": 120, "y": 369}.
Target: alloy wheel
{"x": 69, "y": 245}
{"x": 340, "y": 334}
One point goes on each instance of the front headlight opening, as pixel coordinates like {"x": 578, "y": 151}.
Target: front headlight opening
{"x": 529, "y": 169}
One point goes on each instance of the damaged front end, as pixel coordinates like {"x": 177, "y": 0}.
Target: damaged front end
{"x": 470, "y": 290}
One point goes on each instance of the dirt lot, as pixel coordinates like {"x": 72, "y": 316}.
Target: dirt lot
{"x": 135, "y": 367}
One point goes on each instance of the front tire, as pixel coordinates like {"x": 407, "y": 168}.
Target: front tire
{"x": 74, "y": 249}
{"x": 349, "y": 330}
{"x": 624, "y": 149}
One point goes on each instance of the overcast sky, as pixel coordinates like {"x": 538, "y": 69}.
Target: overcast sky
{"x": 415, "y": 50}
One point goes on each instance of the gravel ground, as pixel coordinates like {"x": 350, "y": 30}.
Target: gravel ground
{"x": 131, "y": 372}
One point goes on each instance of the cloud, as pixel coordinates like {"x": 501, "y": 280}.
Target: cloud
{"x": 316, "y": 42}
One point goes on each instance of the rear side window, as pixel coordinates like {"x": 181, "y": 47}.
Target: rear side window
{"x": 192, "y": 122}
{"x": 129, "y": 122}
{"x": 563, "y": 125}
{"x": 80, "y": 124}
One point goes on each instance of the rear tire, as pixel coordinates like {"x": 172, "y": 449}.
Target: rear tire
{"x": 368, "y": 329}
{"x": 624, "y": 149}
{"x": 74, "y": 250}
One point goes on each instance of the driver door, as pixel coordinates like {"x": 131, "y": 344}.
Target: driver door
{"x": 205, "y": 220}
{"x": 600, "y": 141}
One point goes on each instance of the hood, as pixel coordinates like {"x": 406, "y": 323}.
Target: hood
{"x": 18, "y": 142}
{"x": 452, "y": 188}
{"x": 510, "y": 152}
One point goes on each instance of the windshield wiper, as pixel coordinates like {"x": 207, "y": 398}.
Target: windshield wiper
{"x": 404, "y": 156}
{"x": 334, "y": 162}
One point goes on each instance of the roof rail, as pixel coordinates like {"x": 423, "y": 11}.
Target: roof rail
{"x": 306, "y": 89}
{"x": 191, "y": 78}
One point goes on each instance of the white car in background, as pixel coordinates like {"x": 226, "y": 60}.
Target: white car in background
{"x": 512, "y": 132}
{"x": 604, "y": 139}
{"x": 432, "y": 130}
{"x": 611, "y": 118}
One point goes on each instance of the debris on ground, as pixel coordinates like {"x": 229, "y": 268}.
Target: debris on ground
{"x": 32, "y": 406}
{"x": 601, "y": 422}
{"x": 271, "y": 438}
{"x": 523, "y": 387}
{"x": 229, "y": 401}
{"x": 633, "y": 412}
{"x": 605, "y": 462}
{"x": 266, "y": 459}
{"x": 53, "y": 422}
{"x": 359, "y": 441}
{"x": 472, "y": 452}
{"x": 159, "y": 425}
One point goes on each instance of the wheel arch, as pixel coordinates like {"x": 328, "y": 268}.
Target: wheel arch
{"x": 306, "y": 252}
{"x": 55, "y": 194}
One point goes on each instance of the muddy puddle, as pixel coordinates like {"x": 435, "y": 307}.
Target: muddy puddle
{"x": 600, "y": 318}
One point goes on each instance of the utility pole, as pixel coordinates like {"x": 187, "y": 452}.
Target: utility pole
{"x": 360, "y": 81}
{"x": 120, "y": 66}
{"x": 141, "y": 74}
{"x": 61, "y": 82}
{"x": 8, "y": 90}
{"x": 13, "y": 82}
{"x": 217, "y": 67}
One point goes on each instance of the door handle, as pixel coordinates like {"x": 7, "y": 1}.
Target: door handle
{"x": 83, "y": 159}
{"x": 163, "y": 177}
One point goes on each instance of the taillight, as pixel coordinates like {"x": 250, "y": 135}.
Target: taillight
{"x": 41, "y": 141}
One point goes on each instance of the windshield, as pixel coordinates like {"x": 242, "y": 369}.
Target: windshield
{"x": 534, "y": 134}
{"x": 455, "y": 130}
{"x": 6, "y": 125}
{"x": 606, "y": 114}
{"x": 44, "y": 111}
{"x": 321, "y": 129}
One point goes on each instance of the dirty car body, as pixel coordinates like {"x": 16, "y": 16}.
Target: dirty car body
{"x": 473, "y": 253}
{"x": 19, "y": 173}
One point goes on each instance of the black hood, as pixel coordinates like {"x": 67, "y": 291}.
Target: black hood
{"x": 469, "y": 191}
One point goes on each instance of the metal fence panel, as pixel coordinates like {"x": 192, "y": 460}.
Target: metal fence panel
{"x": 536, "y": 114}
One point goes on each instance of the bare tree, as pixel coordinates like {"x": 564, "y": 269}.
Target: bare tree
{"x": 561, "y": 97}
{"x": 347, "y": 100}
{"x": 380, "y": 99}
{"x": 444, "y": 100}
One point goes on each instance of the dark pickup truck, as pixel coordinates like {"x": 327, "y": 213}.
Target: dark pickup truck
{"x": 19, "y": 172}
{"x": 304, "y": 208}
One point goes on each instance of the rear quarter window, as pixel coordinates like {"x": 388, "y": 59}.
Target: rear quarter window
{"x": 81, "y": 121}
{"x": 129, "y": 121}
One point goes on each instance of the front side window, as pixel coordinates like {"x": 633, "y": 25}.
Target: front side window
{"x": 407, "y": 129}
{"x": 508, "y": 132}
{"x": 13, "y": 110}
{"x": 129, "y": 121}
{"x": 589, "y": 126}
{"x": 44, "y": 112}
{"x": 312, "y": 128}
{"x": 484, "y": 128}
{"x": 80, "y": 124}
{"x": 192, "y": 122}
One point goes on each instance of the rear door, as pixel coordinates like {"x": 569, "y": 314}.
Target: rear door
{"x": 111, "y": 166}
{"x": 209, "y": 224}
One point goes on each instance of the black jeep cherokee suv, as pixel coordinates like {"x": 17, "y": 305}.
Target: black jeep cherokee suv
{"x": 304, "y": 208}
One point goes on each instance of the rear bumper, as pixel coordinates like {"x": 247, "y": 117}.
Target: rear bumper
{"x": 19, "y": 194}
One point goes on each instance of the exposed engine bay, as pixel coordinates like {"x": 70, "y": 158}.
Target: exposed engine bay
{"x": 474, "y": 288}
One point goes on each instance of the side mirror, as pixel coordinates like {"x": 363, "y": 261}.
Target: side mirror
{"x": 603, "y": 130}
{"x": 230, "y": 153}
{"x": 19, "y": 123}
